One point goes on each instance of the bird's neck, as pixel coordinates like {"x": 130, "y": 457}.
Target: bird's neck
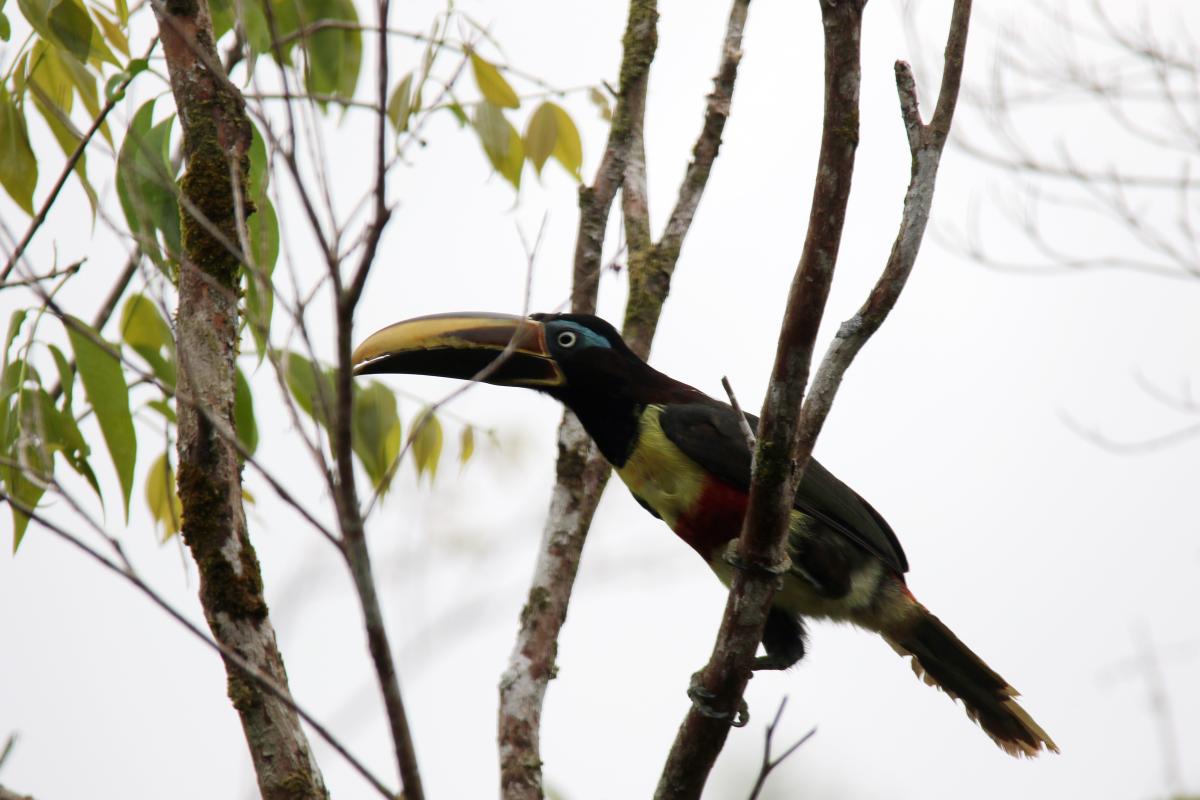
{"x": 611, "y": 422}
{"x": 611, "y": 410}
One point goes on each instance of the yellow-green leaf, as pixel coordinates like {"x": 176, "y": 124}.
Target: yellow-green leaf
{"x": 113, "y": 33}
{"x": 491, "y": 83}
{"x": 144, "y": 329}
{"x": 104, "y": 382}
{"x": 334, "y": 54}
{"x": 375, "y": 431}
{"x": 466, "y": 445}
{"x": 540, "y": 135}
{"x": 142, "y": 325}
{"x": 568, "y": 149}
{"x": 400, "y": 104}
{"x": 18, "y": 167}
{"x": 501, "y": 142}
{"x": 243, "y": 413}
{"x": 426, "y": 439}
{"x": 303, "y": 379}
{"x": 161, "y": 498}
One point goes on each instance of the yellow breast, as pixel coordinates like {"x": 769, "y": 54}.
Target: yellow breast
{"x": 658, "y": 473}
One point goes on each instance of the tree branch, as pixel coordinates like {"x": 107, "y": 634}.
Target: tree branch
{"x": 217, "y": 134}
{"x": 780, "y": 455}
{"x": 788, "y": 430}
{"x": 651, "y": 265}
{"x": 581, "y": 473}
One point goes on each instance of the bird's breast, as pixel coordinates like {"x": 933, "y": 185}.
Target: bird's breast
{"x": 704, "y": 511}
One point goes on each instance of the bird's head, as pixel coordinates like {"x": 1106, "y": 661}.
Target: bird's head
{"x": 565, "y": 355}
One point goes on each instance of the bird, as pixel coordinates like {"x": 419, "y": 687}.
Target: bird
{"x": 684, "y": 457}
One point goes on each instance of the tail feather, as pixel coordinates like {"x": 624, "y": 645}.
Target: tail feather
{"x": 942, "y": 660}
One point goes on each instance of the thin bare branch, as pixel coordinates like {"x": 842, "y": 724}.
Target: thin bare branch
{"x": 768, "y": 764}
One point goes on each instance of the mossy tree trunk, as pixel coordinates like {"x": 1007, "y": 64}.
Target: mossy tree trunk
{"x": 216, "y": 139}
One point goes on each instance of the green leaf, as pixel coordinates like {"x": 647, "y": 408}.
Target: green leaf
{"x": 334, "y": 56}
{"x": 466, "y": 445}
{"x": 22, "y": 489}
{"x": 426, "y": 439}
{"x": 303, "y": 379}
{"x": 60, "y": 433}
{"x": 243, "y": 413}
{"x": 143, "y": 326}
{"x": 63, "y": 22}
{"x": 104, "y": 382}
{"x": 161, "y": 498}
{"x": 568, "y": 149}
{"x": 164, "y": 408}
{"x": 540, "y": 136}
{"x": 66, "y": 376}
{"x": 145, "y": 183}
{"x": 49, "y": 74}
{"x": 259, "y": 175}
{"x": 375, "y": 431}
{"x": 67, "y": 139}
{"x": 600, "y": 101}
{"x": 5, "y": 28}
{"x": 400, "y": 104}
{"x": 459, "y": 114}
{"x": 263, "y": 230}
{"x": 144, "y": 329}
{"x": 492, "y": 85}
{"x": 18, "y": 166}
{"x": 113, "y": 33}
{"x": 501, "y": 142}
{"x": 14, "y": 329}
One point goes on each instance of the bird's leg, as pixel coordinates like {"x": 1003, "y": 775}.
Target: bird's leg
{"x": 783, "y": 639}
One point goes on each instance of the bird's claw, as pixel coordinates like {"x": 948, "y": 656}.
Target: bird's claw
{"x": 700, "y": 697}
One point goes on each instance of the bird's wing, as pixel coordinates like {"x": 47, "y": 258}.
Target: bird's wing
{"x": 710, "y": 436}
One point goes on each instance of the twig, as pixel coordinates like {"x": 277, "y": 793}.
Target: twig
{"x": 768, "y": 763}
{"x": 743, "y": 423}
{"x": 6, "y": 751}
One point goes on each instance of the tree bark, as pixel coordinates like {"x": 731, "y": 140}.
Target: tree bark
{"x": 216, "y": 139}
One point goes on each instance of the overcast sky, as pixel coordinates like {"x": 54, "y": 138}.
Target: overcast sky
{"x": 1049, "y": 556}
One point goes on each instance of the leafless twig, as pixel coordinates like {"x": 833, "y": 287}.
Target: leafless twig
{"x": 768, "y": 763}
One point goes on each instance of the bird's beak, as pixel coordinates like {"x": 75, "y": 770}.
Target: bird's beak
{"x": 494, "y": 348}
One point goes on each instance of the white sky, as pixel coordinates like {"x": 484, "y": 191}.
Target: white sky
{"x": 1044, "y": 553}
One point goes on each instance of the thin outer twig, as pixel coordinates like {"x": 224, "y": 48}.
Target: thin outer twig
{"x": 768, "y": 763}
{"x": 743, "y": 423}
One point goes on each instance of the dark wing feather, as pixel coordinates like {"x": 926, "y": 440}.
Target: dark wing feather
{"x": 710, "y": 436}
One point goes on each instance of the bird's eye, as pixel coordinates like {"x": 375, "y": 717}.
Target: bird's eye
{"x": 566, "y": 339}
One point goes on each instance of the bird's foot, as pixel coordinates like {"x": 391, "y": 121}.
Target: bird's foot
{"x": 773, "y": 661}
{"x": 701, "y": 697}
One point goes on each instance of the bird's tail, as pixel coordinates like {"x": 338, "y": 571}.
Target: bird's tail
{"x": 943, "y": 661}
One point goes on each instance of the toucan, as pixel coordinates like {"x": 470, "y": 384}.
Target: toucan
{"x": 684, "y": 457}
